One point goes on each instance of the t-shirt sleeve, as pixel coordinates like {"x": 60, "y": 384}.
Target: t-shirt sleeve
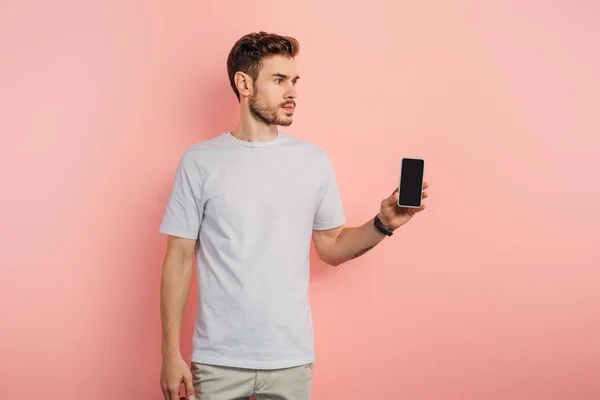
{"x": 330, "y": 211}
{"x": 185, "y": 207}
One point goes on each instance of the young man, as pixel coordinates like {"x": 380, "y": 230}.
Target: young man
{"x": 247, "y": 203}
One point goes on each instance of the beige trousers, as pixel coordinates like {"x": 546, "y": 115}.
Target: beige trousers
{"x": 213, "y": 382}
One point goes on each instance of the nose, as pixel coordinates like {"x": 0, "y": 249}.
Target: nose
{"x": 291, "y": 93}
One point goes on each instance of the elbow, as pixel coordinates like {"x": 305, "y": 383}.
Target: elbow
{"x": 332, "y": 261}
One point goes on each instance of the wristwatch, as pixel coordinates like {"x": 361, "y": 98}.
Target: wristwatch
{"x": 381, "y": 227}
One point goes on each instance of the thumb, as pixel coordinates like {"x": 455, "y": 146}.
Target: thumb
{"x": 189, "y": 386}
{"x": 393, "y": 199}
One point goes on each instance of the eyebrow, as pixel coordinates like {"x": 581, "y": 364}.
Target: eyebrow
{"x": 285, "y": 76}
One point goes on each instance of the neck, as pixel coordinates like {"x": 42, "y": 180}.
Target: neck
{"x": 252, "y": 128}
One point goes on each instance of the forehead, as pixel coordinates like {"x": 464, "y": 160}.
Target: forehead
{"x": 279, "y": 65}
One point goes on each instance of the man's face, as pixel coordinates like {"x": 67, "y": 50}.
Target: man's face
{"x": 273, "y": 99}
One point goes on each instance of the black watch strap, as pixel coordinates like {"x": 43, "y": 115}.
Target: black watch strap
{"x": 382, "y": 228}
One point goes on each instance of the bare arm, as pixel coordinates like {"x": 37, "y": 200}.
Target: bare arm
{"x": 341, "y": 244}
{"x": 338, "y": 245}
{"x": 174, "y": 289}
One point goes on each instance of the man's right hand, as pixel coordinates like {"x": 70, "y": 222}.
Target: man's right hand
{"x": 174, "y": 371}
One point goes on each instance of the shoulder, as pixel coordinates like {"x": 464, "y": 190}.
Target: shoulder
{"x": 312, "y": 151}
{"x": 196, "y": 158}
{"x": 204, "y": 147}
{"x": 203, "y": 152}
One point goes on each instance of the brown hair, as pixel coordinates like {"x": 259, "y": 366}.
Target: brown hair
{"x": 248, "y": 52}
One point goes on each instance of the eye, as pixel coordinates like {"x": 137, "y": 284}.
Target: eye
{"x": 278, "y": 80}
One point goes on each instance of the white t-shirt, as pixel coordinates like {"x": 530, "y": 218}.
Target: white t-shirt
{"x": 253, "y": 206}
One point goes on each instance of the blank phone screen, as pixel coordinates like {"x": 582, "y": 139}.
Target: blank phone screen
{"x": 411, "y": 182}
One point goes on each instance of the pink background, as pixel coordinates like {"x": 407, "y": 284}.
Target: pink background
{"x": 492, "y": 293}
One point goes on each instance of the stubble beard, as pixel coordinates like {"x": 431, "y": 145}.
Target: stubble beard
{"x": 267, "y": 114}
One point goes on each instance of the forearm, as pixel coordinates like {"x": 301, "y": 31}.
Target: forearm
{"x": 175, "y": 285}
{"x": 353, "y": 242}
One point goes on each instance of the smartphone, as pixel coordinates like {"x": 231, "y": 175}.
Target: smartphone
{"x": 410, "y": 190}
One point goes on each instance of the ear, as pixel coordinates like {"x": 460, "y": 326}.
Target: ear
{"x": 244, "y": 84}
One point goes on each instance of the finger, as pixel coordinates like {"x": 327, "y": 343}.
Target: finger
{"x": 392, "y": 198}
{"x": 420, "y": 208}
{"x": 189, "y": 386}
{"x": 165, "y": 390}
{"x": 425, "y": 185}
{"x": 425, "y": 194}
{"x": 389, "y": 201}
{"x": 174, "y": 393}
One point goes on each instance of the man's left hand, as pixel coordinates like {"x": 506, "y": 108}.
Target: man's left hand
{"x": 393, "y": 216}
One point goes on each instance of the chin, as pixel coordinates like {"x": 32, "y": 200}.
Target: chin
{"x": 285, "y": 123}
